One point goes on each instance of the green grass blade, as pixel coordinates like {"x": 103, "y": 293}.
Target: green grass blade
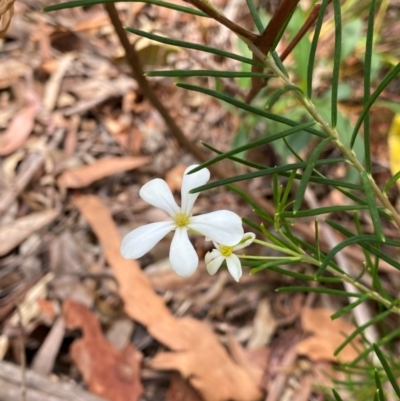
{"x": 367, "y": 82}
{"x": 249, "y": 108}
{"x": 208, "y": 73}
{"x": 353, "y": 240}
{"x": 384, "y": 83}
{"x": 376, "y": 221}
{"x": 322, "y": 210}
{"x": 307, "y": 174}
{"x": 85, "y": 3}
{"x": 360, "y": 329}
{"x": 336, "y": 395}
{"x": 336, "y": 60}
{"x": 319, "y": 290}
{"x": 387, "y": 369}
{"x": 348, "y": 308}
{"x": 313, "y": 49}
{"x": 256, "y": 17}
{"x": 194, "y": 46}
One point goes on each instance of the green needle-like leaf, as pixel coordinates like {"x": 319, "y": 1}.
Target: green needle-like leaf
{"x": 353, "y": 240}
{"x": 278, "y": 93}
{"x": 391, "y": 181}
{"x": 254, "y": 144}
{"x": 376, "y": 221}
{"x": 249, "y": 108}
{"x": 319, "y": 290}
{"x": 322, "y": 210}
{"x": 348, "y": 308}
{"x": 336, "y": 60}
{"x": 272, "y": 265}
{"x": 384, "y": 83}
{"x": 367, "y": 82}
{"x": 313, "y": 49}
{"x": 387, "y": 369}
{"x": 336, "y": 395}
{"x": 260, "y": 173}
{"x": 360, "y": 329}
{"x": 307, "y": 174}
{"x": 256, "y": 17}
{"x": 379, "y": 386}
{"x": 85, "y": 3}
{"x": 208, "y": 73}
{"x": 194, "y": 46}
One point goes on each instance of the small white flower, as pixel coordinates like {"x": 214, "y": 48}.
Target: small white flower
{"x": 222, "y": 226}
{"x": 215, "y": 258}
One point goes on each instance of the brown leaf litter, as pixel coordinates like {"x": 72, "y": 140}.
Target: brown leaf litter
{"x": 195, "y": 350}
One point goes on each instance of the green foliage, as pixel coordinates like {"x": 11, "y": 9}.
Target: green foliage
{"x": 305, "y": 126}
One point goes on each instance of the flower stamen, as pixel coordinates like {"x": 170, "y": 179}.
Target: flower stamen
{"x": 181, "y": 220}
{"x": 226, "y": 250}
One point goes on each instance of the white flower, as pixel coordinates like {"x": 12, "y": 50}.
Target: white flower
{"x": 215, "y": 258}
{"x": 222, "y": 226}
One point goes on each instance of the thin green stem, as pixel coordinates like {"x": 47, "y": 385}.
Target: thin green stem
{"x": 330, "y": 131}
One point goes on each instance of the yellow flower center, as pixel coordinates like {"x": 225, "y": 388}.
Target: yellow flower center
{"x": 226, "y": 250}
{"x": 181, "y": 220}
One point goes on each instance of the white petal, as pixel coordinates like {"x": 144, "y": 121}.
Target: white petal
{"x": 211, "y": 255}
{"x": 157, "y": 193}
{"x": 234, "y": 266}
{"x": 223, "y": 226}
{"x": 182, "y": 256}
{"x": 214, "y": 265}
{"x": 189, "y": 182}
{"x": 139, "y": 241}
{"x": 246, "y": 240}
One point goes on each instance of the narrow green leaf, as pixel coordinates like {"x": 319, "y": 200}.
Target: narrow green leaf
{"x": 272, "y": 265}
{"x": 360, "y": 329}
{"x": 313, "y": 49}
{"x": 289, "y": 185}
{"x": 376, "y": 396}
{"x": 259, "y": 173}
{"x": 359, "y": 239}
{"x": 256, "y": 17}
{"x": 391, "y": 181}
{"x": 307, "y": 174}
{"x": 249, "y": 108}
{"x": 379, "y": 386}
{"x": 384, "y": 340}
{"x": 348, "y": 308}
{"x": 369, "y": 248}
{"x": 376, "y": 221}
{"x": 336, "y": 60}
{"x": 336, "y": 395}
{"x": 319, "y": 290}
{"x": 208, "y": 73}
{"x": 274, "y": 97}
{"x": 85, "y": 3}
{"x": 387, "y": 369}
{"x": 250, "y": 223}
{"x": 323, "y": 210}
{"x": 253, "y": 144}
{"x": 300, "y": 276}
{"x": 194, "y": 46}
{"x": 367, "y": 82}
{"x": 384, "y": 83}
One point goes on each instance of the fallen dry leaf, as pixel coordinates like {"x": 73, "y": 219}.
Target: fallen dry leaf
{"x": 196, "y": 351}
{"x": 81, "y": 177}
{"x": 180, "y": 390}
{"x": 108, "y": 372}
{"x": 14, "y": 233}
{"x": 6, "y": 12}
{"x": 327, "y": 335}
{"x": 174, "y": 177}
{"x": 20, "y": 126}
